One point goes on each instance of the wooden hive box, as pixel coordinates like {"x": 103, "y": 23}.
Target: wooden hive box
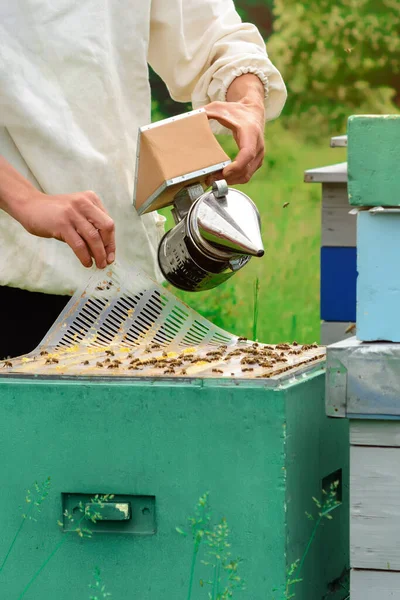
{"x": 338, "y": 249}
{"x": 262, "y": 448}
{"x": 363, "y": 382}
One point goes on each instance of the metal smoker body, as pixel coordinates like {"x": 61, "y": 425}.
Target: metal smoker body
{"x": 216, "y": 232}
{"x": 215, "y": 235}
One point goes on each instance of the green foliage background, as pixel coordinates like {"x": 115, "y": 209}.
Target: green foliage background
{"x": 337, "y": 58}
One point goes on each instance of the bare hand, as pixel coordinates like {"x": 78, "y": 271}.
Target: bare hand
{"x": 80, "y": 220}
{"x": 246, "y": 121}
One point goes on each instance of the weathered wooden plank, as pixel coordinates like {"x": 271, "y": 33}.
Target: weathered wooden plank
{"x": 334, "y": 332}
{"x": 375, "y": 508}
{"x": 331, "y": 173}
{"x": 339, "y": 227}
{"x": 375, "y": 433}
{"x": 374, "y": 585}
{"x": 339, "y": 141}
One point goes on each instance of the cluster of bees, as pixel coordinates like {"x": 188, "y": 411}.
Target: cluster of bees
{"x": 250, "y": 356}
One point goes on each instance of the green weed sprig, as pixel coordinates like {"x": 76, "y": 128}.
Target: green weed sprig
{"x": 98, "y": 586}
{"x": 324, "y": 508}
{"x": 89, "y": 512}
{"x": 255, "y": 308}
{"x": 199, "y": 523}
{"x": 216, "y": 539}
{"x": 34, "y": 499}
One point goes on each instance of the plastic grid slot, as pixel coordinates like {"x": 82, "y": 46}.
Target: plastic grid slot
{"x": 127, "y": 308}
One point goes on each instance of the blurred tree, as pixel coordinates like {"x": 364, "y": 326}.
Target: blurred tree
{"x": 258, "y": 12}
{"x": 338, "y": 58}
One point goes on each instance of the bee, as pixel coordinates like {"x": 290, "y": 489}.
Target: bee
{"x": 51, "y": 361}
{"x": 286, "y": 204}
{"x": 218, "y": 371}
{"x": 85, "y": 362}
{"x": 7, "y": 363}
{"x": 349, "y": 50}
{"x": 248, "y": 361}
{"x": 43, "y": 353}
{"x": 105, "y": 285}
{"x": 110, "y": 353}
{"x": 99, "y": 364}
{"x": 247, "y": 369}
{"x": 350, "y": 328}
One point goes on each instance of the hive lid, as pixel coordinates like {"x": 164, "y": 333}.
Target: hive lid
{"x": 229, "y": 220}
{"x": 171, "y": 154}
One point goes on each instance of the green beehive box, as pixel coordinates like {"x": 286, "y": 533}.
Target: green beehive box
{"x": 262, "y": 448}
{"x": 373, "y": 160}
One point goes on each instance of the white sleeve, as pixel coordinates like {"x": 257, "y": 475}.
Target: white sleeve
{"x": 198, "y": 47}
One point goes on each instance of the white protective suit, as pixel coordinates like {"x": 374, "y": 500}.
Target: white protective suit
{"x": 74, "y": 89}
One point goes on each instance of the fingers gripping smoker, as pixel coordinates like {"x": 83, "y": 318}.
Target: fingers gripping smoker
{"x": 216, "y": 232}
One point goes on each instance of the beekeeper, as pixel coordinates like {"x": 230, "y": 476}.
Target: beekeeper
{"x": 74, "y": 89}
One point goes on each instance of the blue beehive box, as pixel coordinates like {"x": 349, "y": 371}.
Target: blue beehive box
{"x": 338, "y": 284}
{"x": 378, "y": 282}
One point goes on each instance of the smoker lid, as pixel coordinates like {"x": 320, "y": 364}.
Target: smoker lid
{"x": 171, "y": 154}
{"x": 228, "y": 220}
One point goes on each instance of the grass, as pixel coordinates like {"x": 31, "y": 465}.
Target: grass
{"x": 288, "y": 274}
{"x": 222, "y": 571}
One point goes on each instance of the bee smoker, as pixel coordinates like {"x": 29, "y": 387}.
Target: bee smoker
{"x": 216, "y": 232}
{"x": 215, "y": 235}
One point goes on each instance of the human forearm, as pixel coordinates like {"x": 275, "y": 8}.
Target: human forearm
{"x": 15, "y": 190}
{"x": 243, "y": 113}
{"x": 78, "y": 219}
{"x": 247, "y": 88}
